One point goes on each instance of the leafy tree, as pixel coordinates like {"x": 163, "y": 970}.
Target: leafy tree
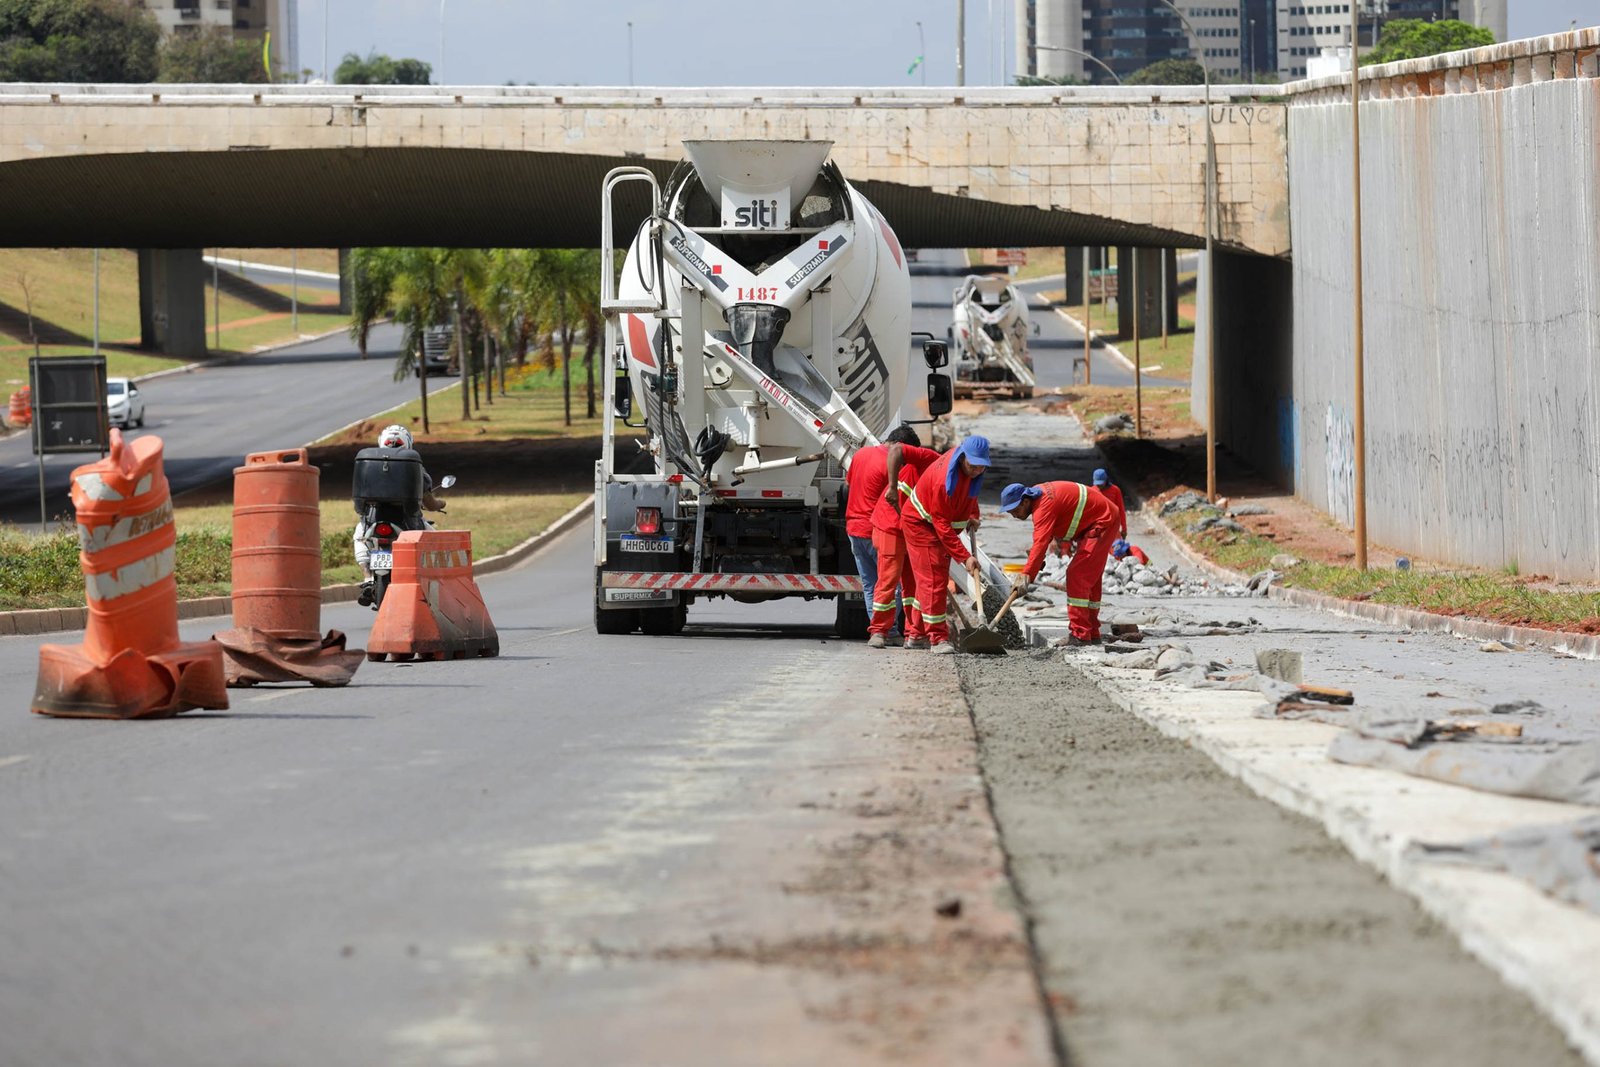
{"x": 211, "y": 56}
{"x": 77, "y": 41}
{"x": 379, "y": 69}
{"x": 1415, "y": 38}
{"x": 1168, "y": 72}
{"x": 1050, "y": 79}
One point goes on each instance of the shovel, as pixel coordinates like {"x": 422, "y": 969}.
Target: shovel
{"x": 981, "y": 639}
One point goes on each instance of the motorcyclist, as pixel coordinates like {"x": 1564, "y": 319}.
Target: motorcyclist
{"x": 397, "y": 437}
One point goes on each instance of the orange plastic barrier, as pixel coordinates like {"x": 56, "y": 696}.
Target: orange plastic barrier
{"x": 20, "y": 413}
{"x": 433, "y": 609}
{"x": 277, "y": 578}
{"x": 131, "y": 664}
{"x": 277, "y": 546}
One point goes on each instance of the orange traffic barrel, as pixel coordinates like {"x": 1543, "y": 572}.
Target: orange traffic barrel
{"x": 277, "y": 546}
{"x": 20, "y": 413}
{"x": 131, "y": 664}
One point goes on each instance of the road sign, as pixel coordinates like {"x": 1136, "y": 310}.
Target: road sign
{"x": 1011, "y": 257}
{"x": 69, "y": 404}
{"x": 69, "y": 410}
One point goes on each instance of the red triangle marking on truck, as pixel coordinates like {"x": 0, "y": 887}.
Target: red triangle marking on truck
{"x": 639, "y": 341}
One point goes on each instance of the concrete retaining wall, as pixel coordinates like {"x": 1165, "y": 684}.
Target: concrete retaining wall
{"x": 1481, "y": 187}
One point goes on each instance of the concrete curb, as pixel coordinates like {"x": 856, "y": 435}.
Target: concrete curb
{"x": 66, "y": 620}
{"x": 1567, "y": 643}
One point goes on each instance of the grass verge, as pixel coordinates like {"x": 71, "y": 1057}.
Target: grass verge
{"x": 1504, "y": 598}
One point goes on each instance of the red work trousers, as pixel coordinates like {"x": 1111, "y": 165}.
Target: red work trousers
{"x": 1085, "y": 575}
{"x": 930, "y": 564}
{"x": 894, "y": 572}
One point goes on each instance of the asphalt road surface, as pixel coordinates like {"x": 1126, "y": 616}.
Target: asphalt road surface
{"x": 934, "y": 278}
{"x": 211, "y": 417}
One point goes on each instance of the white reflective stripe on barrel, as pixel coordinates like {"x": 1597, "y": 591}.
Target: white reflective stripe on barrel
{"x": 98, "y": 538}
{"x": 130, "y": 579}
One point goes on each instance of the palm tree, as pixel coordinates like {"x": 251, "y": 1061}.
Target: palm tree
{"x": 372, "y": 281}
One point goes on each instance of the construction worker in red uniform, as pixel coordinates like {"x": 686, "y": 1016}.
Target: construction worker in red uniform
{"x": 1073, "y": 513}
{"x": 1103, "y": 485}
{"x": 904, "y": 463}
{"x": 866, "y": 477}
{"x": 943, "y": 503}
{"x": 1121, "y": 549}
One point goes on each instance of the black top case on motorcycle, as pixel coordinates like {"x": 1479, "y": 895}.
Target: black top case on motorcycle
{"x": 389, "y": 484}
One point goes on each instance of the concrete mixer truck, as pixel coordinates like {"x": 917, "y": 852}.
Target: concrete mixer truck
{"x": 989, "y": 337}
{"x": 759, "y": 333}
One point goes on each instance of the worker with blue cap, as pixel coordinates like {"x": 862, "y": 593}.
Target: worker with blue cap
{"x": 1106, "y": 488}
{"x": 943, "y": 502}
{"x": 1075, "y": 514}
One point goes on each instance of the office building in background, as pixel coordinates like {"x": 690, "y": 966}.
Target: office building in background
{"x": 244, "y": 20}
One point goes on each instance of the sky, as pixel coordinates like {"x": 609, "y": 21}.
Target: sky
{"x": 701, "y": 42}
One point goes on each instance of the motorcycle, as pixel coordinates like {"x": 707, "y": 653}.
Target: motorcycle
{"x": 388, "y": 496}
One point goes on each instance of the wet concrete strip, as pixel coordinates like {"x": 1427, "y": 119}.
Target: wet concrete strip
{"x": 1180, "y": 919}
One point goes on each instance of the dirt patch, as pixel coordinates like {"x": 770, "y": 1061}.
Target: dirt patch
{"x": 1180, "y": 919}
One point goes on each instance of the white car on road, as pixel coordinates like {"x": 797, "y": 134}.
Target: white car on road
{"x": 124, "y": 402}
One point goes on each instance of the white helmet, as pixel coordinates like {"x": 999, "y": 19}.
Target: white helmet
{"x": 395, "y": 436}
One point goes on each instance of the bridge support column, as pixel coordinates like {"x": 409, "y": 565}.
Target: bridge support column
{"x": 1074, "y": 284}
{"x": 1148, "y": 299}
{"x": 172, "y": 301}
{"x": 346, "y": 283}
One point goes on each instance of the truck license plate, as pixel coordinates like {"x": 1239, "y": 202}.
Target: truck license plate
{"x": 381, "y": 561}
{"x": 646, "y": 544}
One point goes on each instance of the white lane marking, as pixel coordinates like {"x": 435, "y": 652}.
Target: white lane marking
{"x": 12, "y": 761}
{"x": 275, "y": 695}
{"x": 1105, "y": 346}
{"x": 563, "y": 633}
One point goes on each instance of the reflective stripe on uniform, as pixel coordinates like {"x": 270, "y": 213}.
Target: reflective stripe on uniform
{"x": 1077, "y": 515}
{"x": 1074, "y": 602}
{"x": 130, "y": 579}
{"x": 882, "y": 607}
{"x": 934, "y": 619}
{"x": 912, "y": 494}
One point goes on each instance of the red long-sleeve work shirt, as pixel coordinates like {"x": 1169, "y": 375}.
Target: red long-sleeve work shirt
{"x": 942, "y": 510}
{"x": 1065, "y": 511}
{"x": 1113, "y": 494}
{"x": 913, "y": 461}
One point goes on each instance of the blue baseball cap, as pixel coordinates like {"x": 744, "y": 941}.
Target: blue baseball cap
{"x": 1119, "y": 548}
{"x": 1101, "y": 477}
{"x": 1015, "y": 493}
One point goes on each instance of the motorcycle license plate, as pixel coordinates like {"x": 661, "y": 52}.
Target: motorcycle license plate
{"x": 381, "y": 561}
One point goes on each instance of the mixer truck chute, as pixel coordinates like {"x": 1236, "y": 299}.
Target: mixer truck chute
{"x": 990, "y": 335}
{"x": 759, "y": 333}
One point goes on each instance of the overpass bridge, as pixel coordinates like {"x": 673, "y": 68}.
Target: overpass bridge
{"x": 187, "y": 166}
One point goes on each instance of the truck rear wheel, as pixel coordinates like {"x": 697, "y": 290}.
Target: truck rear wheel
{"x": 663, "y": 622}
{"x": 850, "y": 618}
{"x": 611, "y": 622}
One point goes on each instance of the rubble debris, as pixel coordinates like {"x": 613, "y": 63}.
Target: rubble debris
{"x": 1561, "y": 860}
{"x": 1284, "y": 664}
{"x": 1530, "y": 765}
{"x": 1244, "y": 510}
{"x": 1283, "y": 561}
{"x": 1184, "y": 501}
{"x": 1215, "y": 522}
{"x": 1113, "y": 423}
{"x": 1261, "y": 581}
{"x": 948, "y": 907}
{"x": 1493, "y": 646}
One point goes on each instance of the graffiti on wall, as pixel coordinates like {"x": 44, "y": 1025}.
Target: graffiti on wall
{"x": 1339, "y": 453}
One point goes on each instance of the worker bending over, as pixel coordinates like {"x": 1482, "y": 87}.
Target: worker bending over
{"x": 1121, "y": 549}
{"x": 1072, "y": 513}
{"x": 944, "y": 501}
{"x": 866, "y": 478}
{"x": 903, "y": 465}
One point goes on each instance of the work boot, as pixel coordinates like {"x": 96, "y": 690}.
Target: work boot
{"x": 877, "y": 641}
{"x": 916, "y": 644}
{"x": 894, "y": 640}
{"x": 943, "y": 648}
{"x": 365, "y": 596}
{"x": 1077, "y": 642}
